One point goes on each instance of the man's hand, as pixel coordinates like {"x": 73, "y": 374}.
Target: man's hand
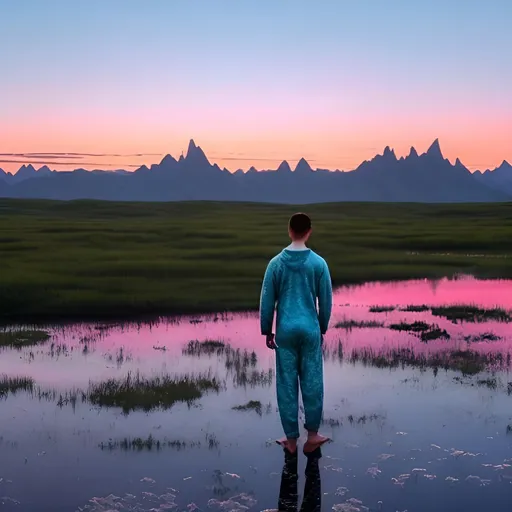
{"x": 271, "y": 342}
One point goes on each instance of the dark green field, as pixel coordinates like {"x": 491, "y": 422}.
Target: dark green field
{"x": 89, "y": 259}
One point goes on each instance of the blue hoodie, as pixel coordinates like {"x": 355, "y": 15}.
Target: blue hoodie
{"x": 293, "y": 282}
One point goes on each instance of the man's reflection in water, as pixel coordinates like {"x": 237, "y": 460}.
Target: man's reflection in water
{"x": 288, "y": 495}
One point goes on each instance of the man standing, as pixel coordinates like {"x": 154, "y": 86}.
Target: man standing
{"x": 295, "y": 281}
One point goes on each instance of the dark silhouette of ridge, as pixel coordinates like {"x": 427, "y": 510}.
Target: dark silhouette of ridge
{"x": 428, "y": 177}
{"x": 303, "y": 167}
{"x": 499, "y": 179}
{"x": 434, "y": 151}
{"x": 284, "y": 166}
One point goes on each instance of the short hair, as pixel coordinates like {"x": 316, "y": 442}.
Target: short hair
{"x": 300, "y": 224}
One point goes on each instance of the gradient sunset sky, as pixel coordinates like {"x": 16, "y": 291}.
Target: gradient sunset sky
{"x": 118, "y": 83}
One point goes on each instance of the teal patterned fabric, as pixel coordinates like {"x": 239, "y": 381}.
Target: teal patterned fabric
{"x": 297, "y": 284}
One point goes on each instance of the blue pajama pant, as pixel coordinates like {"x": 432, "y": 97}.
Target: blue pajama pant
{"x": 299, "y": 361}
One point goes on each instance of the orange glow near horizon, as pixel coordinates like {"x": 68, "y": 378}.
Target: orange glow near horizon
{"x": 237, "y": 140}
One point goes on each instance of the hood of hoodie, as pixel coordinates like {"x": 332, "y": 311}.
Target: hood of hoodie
{"x": 295, "y": 260}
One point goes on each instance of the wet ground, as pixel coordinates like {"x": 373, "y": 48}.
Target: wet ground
{"x": 181, "y": 414}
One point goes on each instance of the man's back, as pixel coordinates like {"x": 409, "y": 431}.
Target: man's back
{"x": 294, "y": 281}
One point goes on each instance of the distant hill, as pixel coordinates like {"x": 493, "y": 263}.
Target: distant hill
{"x": 428, "y": 178}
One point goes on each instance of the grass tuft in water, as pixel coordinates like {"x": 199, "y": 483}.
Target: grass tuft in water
{"x": 241, "y": 365}
{"x": 468, "y": 362}
{"x": 252, "y": 405}
{"x": 426, "y": 331}
{"x": 468, "y": 313}
{"x": 20, "y": 339}
{"x": 411, "y": 327}
{"x": 358, "y": 324}
{"x": 362, "y": 420}
{"x": 381, "y": 309}
{"x": 436, "y": 333}
{"x": 485, "y": 336}
{"x": 207, "y": 347}
{"x": 413, "y": 308}
{"x": 490, "y": 383}
{"x": 135, "y": 392}
{"x": 11, "y": 385}
{"x": 146, "y": 444}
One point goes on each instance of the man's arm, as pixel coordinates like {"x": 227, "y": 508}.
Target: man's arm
{"x": 325, "y": 299}
{"x": 267, "y": 301}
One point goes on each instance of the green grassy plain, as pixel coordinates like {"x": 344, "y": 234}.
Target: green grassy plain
{"x": 99, "y": 260}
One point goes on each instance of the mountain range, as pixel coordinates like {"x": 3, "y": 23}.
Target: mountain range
{"x": 428, "y": 177}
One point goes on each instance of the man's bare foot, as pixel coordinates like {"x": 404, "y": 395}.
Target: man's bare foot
{"x": 315, "y": 440}
{"x": 288, "y": 444}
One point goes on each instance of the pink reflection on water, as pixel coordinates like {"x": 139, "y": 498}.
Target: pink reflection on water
{"x": 463, "y": 290}
{"x": 353, "y": 303}
{"x": 144, "y": 343}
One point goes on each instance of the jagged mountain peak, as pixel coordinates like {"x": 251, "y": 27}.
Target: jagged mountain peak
{"x": 435, "y": 150}
{"x": 191, "y": 146}
{"x": 389, "y": 152}
{"x": 413, "y": 153}
{"x": 168, "y": 159}
{"x": 284, "y": 166}
{"x": 460, "y": 165}
{"x": 195, "y": 155}
{"x": 303, "y": 166}
{"x": 26, "y": 168}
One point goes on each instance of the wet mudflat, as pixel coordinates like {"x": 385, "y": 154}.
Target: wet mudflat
{"x": 181, "y": 414}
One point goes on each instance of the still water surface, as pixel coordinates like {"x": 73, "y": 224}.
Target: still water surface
{"x": 416, "y": 425}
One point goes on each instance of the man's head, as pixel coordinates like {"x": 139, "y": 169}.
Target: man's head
{"x": 299, "y": 227}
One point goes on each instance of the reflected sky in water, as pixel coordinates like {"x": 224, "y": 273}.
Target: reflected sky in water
{"x": 407, "y": 436}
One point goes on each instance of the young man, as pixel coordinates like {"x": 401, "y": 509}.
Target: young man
{"x": 295, "y": 280}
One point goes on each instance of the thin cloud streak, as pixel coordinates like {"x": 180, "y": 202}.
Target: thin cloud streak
{"x": 249, "y": 159}
{"x": 75, "y": 155}
{"x": 117, "y": 165}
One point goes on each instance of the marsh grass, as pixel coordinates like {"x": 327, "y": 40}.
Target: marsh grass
{"x": 149, "y": 444}
{"x": 13, "y": 385}
{"x": 101, "y": 260}
{"x": 135, "y": 392}
{"x": 426, "y": 332}
{"x": 358, "y": 324}
{"x": 411, "y": 327}
{"x": 412, "y": 308}
{"x": 353, "y": 420}
{"x": 364, "y": 419}
{"x": 241, "y": 365}
{"x": 469, "y": 313}
{"x": 490, "y": 383}
{"x": 20, "y": 338}
{"x": 381, "y": 309}
{"x": 485, "y": 336}
{"x": 198, "y": 348}
{"x": 467, "y": 362}
{"x": 253, "y": 405}
{"x": 436, "y": 333}
{"x": 119, "y": 357}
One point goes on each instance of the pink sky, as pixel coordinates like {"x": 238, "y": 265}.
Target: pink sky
{"x": 239, "y": 139}
{"x": 256, "y": 84}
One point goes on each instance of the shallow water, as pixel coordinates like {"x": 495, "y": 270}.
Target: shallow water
{"x": 417, "y": 426}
